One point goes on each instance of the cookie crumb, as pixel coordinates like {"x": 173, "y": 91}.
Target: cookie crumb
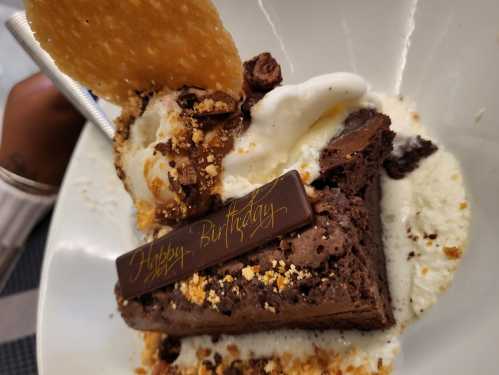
{"x": 197, "y": 136}
{"x": 193, "y": 289}
{"x": 233, "y": 350}
{"x": 228, "y": 278}
{"x": 211, "y": 170}
{"x": 452, "y": 252}
{"x": 248, "y": 273}
{"x": 213, "y": 298}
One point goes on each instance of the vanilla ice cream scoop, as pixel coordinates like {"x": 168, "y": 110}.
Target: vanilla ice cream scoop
{"x": 290, "y": 126}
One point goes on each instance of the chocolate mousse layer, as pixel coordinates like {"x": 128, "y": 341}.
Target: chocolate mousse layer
{"x": 330, "y": 274}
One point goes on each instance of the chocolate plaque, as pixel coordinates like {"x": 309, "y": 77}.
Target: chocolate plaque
{"x": 242, "y": 225}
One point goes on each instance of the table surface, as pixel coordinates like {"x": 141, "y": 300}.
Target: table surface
{"x": 18, "y": 300}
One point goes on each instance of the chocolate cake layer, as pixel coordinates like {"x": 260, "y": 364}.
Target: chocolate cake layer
{"x": 330, "y": 274}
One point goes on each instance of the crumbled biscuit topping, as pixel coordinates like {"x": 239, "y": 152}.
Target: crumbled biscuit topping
{"x": 211, "y": 170}
{"x": 322, "y": 361}
{"x": 213, "y": 299}
{"x": 193, "y": 289}
{"x": 209, "y": 105}
{"x": 452, "y": 252}
{"x": 248, "y": 273}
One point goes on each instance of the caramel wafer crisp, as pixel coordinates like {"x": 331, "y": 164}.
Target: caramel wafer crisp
{"x": 115, "y": 46}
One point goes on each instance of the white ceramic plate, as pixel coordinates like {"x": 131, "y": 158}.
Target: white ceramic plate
{"x": 443, "y": 54}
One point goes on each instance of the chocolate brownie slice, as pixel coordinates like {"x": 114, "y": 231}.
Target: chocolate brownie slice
{"x": 330, "y": 274}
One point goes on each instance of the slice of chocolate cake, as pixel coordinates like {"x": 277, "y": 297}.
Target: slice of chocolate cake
{"x": 330, "y": 274}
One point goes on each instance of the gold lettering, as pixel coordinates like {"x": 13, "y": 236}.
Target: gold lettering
{"x": 140, "y": 267}
{"x": 241, "y": 223}
{"x": 154, "y": 264}
{"x": 205, "y": 237}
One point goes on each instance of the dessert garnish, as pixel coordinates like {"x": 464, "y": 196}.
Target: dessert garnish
{"x": 101, "y": 44}
{"x": 276, "y": 208}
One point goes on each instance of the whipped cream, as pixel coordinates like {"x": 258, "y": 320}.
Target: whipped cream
{"x": 290, "y": 126}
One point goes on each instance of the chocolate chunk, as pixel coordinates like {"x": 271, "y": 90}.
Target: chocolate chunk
{"x": 164, "y": 148}
{"x": 209, "y": 366}
{"x": 216, "y": 103}
{"x": 235, "y": 368}
{"x": 258, "y": 365}
{"x": 175, "y": 185}
{"x": 406, "y": 158}
{"x": 250, "y": 101}
{"x": 262, "y": 73}
{"x": 347, "y": 161}
{"x": 233, "y": 122}
{"x": 187, "y": 175}
{"x": 242, "y": 225}
{"x": 169, "y": 349}
{"x": 186, "y": 100}
{"x": 217, "y": 358}
{"x": 357, "y": 119}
